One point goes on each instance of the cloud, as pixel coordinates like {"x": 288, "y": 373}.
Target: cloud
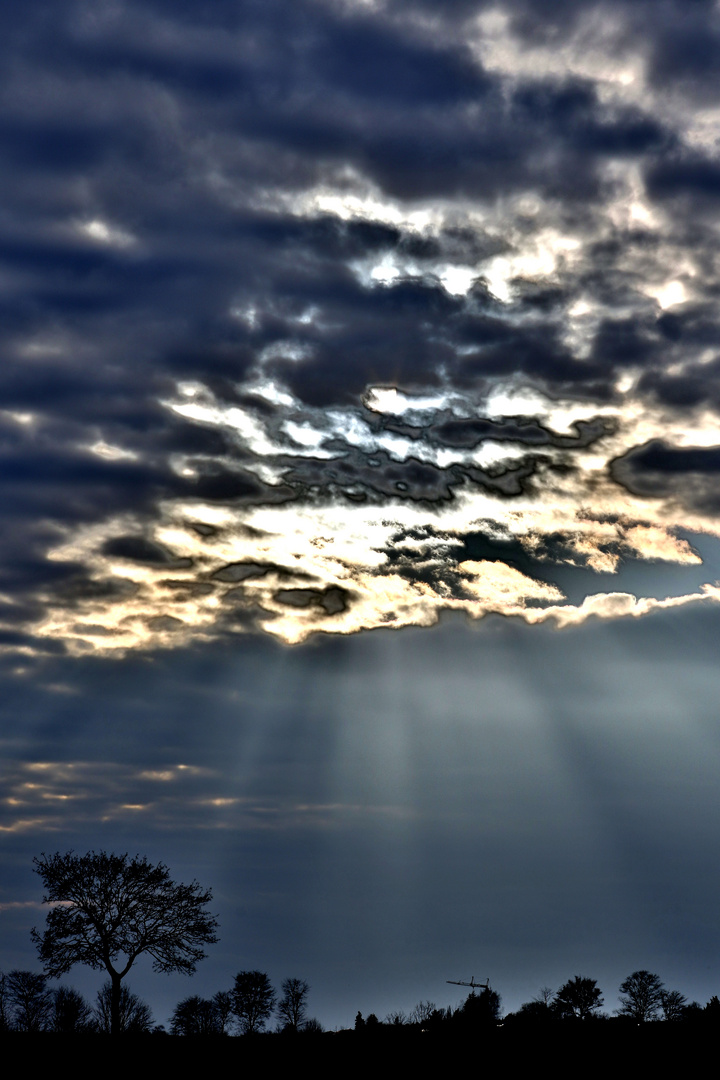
{"x": 72, "y": 796}
{"x": 11, "y": 905}
{"x": 617, "y": 605}
{"x": 374, "y": 521}
{"x": 227, "y": 248}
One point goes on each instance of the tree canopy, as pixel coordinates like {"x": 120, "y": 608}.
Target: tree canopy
{"x": 71, "y": 1013}
{"x": 579, "y": 997}
{"x": 641, "y": 996}
{"x": 110, "y": 909}
{"x": 253, "y": 1000}
{"x": 196, "y": 1016}
{"x": 673, "y": 1005}
{"x": 30, "y": 1001}
{"x": 292, "y": 1006}
{"x": 481, "y": 1009}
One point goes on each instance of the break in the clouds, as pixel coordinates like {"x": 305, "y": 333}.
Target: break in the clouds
{"x": 327, "y": 316}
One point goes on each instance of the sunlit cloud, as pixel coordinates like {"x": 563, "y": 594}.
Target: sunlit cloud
{"x": 106, "y": 234}
{"x": 596, "y": 50}
{"x": 618, "y": 605}
{"x": 361, "y": 537}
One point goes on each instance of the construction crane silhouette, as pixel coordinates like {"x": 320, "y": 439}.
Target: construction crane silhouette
{"x": 475, "y": 985}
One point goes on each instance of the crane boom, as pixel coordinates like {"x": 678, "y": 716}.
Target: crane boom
{"x": 472, "y": 983}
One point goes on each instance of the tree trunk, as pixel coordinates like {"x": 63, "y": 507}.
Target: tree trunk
{"x": 115, "y": 1028}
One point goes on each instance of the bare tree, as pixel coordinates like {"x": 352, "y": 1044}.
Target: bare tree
{"x": 396, "y": 1017}
{"x": 673, "y": 1005}
{"x": 111, "y": 909}
{"x": 133, "y": 1018}
{"x": 422, "y": 1012}
{"x": 292, "y": 1006}
{"x": 641, "y": 996}
{"x": 223, "y": 1003}
{"x": 71, "y": 1013}
{"x": 253, "y": 1000}
{"x": 30, "y": 1002}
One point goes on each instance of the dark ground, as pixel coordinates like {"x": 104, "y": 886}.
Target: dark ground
{"x": 597, "y": 1046}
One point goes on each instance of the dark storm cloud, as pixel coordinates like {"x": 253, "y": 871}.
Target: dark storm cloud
{"x": 692, "y": 175}
{"x": 688, "y": 473}
{"x": 686, "y": 48}
{"x": 472, "y": 432}
{"x": 696, "y": 384}
{"x": 659, "y": 458}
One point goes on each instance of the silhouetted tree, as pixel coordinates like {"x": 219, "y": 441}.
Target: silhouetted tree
{"x": 439, "y": 1017}
{"x": 253, "y": 1000}
{"x": 292, "y": 1007}
{"x": 29, "y": 1001}
{"x": 223, "y": 1003}
{"x": 196, "y": 1016}
{"x": 112, "y": 909}
{"x": 673, "y": 1004}
{"x": 535, "y": 1012}
{"x": 422, "y": 1012}
{"x": 4, "y": 1004}
{"x": 481, "y": 1009}
{"x": 694, "y": 1013}
{"x": 711, "y": 1011}
{"x": 579, "y": 998}
{"x": 71, "y": 1014}
{"x": 133, "y": 1016}
{"x": 641, "y": 996}
{"x": 312, "y": 1026}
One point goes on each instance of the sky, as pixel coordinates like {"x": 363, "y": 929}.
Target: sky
{"x": 359, "y": 506}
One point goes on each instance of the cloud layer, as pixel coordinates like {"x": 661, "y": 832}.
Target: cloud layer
{"x": 335, "y": 315}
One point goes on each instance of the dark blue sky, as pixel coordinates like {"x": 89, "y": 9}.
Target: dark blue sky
{"x": 358, "y": 480}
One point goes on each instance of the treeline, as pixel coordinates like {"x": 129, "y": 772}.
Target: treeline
{"x": 643, "y": 998}
{"x": 252, "y": 1006}
{"x": 152, "y": 914}
{"x": 247, "y": 1009}
{"x": 642, "y": 995}
{"x": 28, "y": 1004}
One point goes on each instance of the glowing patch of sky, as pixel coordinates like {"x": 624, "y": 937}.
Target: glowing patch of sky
{"x": 604, "y": 51}
{"x": 112, "y": 453}
{"x": 388, "y": 399}
{"x": 595, "y": 52}
{"x": 107, "y": 234}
